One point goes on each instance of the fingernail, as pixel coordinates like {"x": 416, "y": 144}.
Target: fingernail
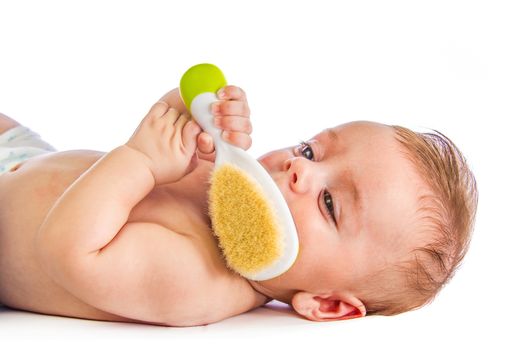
{"x": 218, "y": 122}
{"x": 221, "y": 93}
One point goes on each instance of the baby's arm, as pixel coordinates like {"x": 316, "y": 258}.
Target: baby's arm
{"x": 71, "y": 243}
{"x": 94, "y": 208}
{"x": 87, "y": 246}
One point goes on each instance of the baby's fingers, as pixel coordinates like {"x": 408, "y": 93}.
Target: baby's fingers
{"x": 230, "y": 108}
{"x": 239, "y": 139}
{"x": 231, "y": 92}
{"x": 234, "y": 123}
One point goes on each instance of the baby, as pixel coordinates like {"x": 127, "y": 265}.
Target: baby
{"x": 384, "y": 217}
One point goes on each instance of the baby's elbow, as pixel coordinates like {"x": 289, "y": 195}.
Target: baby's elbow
{"x": 191, "y": 320}
{"x": 196, "y": 312}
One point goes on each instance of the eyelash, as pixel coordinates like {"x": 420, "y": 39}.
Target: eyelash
{"x": 326, "y": 194}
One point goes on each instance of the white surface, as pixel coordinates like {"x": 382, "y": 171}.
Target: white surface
{"x": 83, "y": 76}
{"x": 269, "y": 327}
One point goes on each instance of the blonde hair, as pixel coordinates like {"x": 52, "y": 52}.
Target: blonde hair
{"x": 447, "y": 216}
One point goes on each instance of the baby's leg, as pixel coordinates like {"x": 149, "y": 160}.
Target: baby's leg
{"x": 7, "y": 123}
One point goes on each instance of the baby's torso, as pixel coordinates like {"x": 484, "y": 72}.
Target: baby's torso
{"x": 26, "y": 196}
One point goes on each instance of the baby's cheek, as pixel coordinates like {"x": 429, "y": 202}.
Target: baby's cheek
{"x": 274, "y": 159}
{"x": 267, "y": 161}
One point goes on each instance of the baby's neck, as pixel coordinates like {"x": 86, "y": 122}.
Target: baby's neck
{"x": 269, "y": 293}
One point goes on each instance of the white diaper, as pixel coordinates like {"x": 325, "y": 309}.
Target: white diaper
{"x": 19, "y": 144}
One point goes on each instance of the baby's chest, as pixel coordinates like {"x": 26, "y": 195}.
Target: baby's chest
{"x": 176, "y": 213}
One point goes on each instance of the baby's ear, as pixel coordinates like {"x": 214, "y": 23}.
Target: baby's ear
{"x": 328, "y": 307}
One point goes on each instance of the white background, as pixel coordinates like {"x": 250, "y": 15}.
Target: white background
{"x": 83, "y": 74}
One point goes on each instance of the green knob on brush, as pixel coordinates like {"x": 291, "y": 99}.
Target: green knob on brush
{"x": 204, "y": 77}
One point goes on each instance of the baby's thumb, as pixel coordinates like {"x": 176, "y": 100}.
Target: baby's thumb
{"x": 205, "y": 143}
{"x": 206, "y": 147}
{"x": 191, "y": 130}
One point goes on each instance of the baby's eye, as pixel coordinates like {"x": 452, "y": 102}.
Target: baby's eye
{"x": 306, "y": 150}
{"x": 327, "y": 198}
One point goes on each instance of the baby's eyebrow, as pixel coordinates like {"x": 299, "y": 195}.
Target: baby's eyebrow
{"x": 333, "y": 135}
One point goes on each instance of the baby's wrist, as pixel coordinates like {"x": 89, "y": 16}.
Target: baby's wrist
{"x": 140, "y": 157}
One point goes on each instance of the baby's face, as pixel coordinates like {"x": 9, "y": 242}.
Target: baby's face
{"x": 353, "y": 198}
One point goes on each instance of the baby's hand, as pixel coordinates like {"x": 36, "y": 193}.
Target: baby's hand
{"x": 168, "y": 140}
{"x": 231, "y": 114}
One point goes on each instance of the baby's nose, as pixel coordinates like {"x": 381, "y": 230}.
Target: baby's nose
{"x": 287, "y": 164}
{"x": 296, "y": 174}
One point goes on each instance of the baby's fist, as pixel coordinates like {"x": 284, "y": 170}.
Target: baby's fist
{"x": 232, "y": 116}
{"x": 168, "y": 140}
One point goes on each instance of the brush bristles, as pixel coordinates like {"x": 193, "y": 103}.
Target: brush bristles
{"x": 243, "y": 220}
